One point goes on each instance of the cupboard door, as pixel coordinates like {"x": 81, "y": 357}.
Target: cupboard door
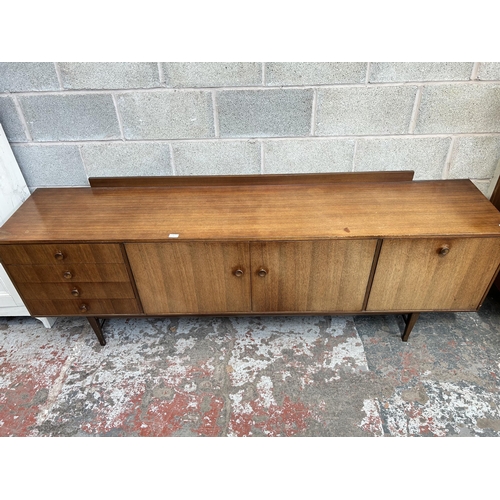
{"x": 311, "y": 276}
{"x": 191, "y": 277}
{"x": 433, "y": 274}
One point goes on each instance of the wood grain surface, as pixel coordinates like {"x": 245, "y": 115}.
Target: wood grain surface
{"x": 191, "y": 277}
{"x": 311, "y": 275}
{"x": 287, "y": 212}
{"x": 84, "y": 290}
{"x": 239, "y": 180}
{"x": 412, "y": 275}
{"x": 79, "y": 272}
{"x": 60, "y": 254}
{"x": 72, "y": 307}
{"x": 495, "y": 197}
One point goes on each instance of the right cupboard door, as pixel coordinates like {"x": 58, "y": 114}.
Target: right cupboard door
{"x": 310, "y": 276}
{"x": 433, "y": 274}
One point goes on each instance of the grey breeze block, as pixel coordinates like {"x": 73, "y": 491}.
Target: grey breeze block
{"x": 489, "y": 71}
{"x": 167, "y": 114}
{"x": 364, "y": 110}
{"x": 426, "y": 156}
{"x": 419, "y": 71}
{"x": 314, "y": 73}
{"x": 10, "y": 120}
{"x": 475, "y": 157}
{"x": 126, "y": 159}
{"x": 459, "y": 108}
{"x": 54, "y": 165}
{"x": 27, "y": 76}
{"x": 70, "y": 117}
{"x": 212, "y": 74}
{"x": 308, "y": 155}
{"x": 109, "y": 75}
{"x": 265, "y": 113}
{"x": 217, "y": 158}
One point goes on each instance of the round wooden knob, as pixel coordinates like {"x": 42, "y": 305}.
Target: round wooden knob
{"x": 84, "y": 307}
{"x": 67, "y": 275}
{"x": 262, "y": 272}
{"x": 59, "y": 256}
{"x": 444, "y": 250}
{"x": 238, "y": 273}
{"x": 75, "y": 292}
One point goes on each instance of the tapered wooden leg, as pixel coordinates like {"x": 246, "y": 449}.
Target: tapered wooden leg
{"x": 97, "y": 327}
{"x": 410, "y": 320}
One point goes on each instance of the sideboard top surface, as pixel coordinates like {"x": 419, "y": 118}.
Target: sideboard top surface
{"x": 267, "y": 212}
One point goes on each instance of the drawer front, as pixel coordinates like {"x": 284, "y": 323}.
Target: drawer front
{"x": 71, "y": 279}
{"x": 90, "y": 307}
{"x": 76, "y": 291}
{"x": 61, "y": 254}
{"x": 69, "y": 273}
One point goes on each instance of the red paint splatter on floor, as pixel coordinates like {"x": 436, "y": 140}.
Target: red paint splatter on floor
{"x": 209, "y": 426}
{"x": 164, "y": 418}
{"x": 409, "y": 370}
{"x": 372, "y": 423}
{"x": 20, "y": 401}
{"x": 286, "y": 420}
{"x": 425, "y": 424}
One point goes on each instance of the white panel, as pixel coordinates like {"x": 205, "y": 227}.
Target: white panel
{"x": 9, "y": 287}
{"x": 13, "y": 188}
{"x": 6, "y": 301}
{"x": 13, "y": 191}
{"x": 3, "y": 286}
{"x": 14, "y": 311}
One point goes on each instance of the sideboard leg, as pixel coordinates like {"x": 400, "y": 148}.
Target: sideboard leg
{"x": 410, "y": 320}
{"x": 97, "y": 327}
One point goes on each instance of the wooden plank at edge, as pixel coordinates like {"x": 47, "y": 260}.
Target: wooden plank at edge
{"x": 495, "y": 200}
{"x": 495, "y": 197}
{"x": 258, "y": 179}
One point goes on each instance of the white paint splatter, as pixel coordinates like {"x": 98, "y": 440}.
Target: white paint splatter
{"x": 349, "y": 353}
{"x": 238, "y": 407}
{"x": 190, "y": 387}
{"x": 372, "y": 422}
{"x": 265, "y": 387}
{"x": 450, "y": 407}
{"x": 261, "y": 344}
{"x": 182, "y": 344}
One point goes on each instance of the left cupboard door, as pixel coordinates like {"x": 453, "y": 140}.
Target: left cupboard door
{"x": 191, "y": 277}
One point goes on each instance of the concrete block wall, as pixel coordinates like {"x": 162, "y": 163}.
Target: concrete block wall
{"x": 70, "y": 121}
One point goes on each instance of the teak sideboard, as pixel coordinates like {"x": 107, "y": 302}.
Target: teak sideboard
{"x": 366, "y": 243}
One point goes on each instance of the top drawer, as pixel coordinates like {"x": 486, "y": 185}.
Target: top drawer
{"x": 64, "y": 253}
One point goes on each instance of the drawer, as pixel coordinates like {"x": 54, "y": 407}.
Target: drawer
{"x": 76, "y": 291}
{"x": 75, "y": 307}
{"x": 61, "y": 254}
{"x": 69, "y": 273}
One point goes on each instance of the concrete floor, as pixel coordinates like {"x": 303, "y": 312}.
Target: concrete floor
{"x": 253, "y": 376}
